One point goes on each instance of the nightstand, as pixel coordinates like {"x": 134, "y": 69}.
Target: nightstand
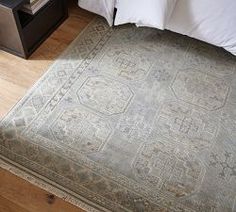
{"x": 21, "y": 33}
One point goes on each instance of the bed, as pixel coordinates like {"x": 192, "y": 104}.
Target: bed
{"x": 211, "y": 21}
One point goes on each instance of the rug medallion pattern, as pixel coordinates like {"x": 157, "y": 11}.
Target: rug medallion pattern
{"x": 132, "y": 119}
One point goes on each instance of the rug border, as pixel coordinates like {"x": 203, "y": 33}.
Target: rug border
{"x": 48, "y": 69}
{"x": 37, "y": 180}
{"x": 33, "y": 177}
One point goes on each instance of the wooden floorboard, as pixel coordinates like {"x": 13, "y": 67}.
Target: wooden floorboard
{"x": 24, "y": 196}
{"x": 16, "y": 77}
{"x": 9, "y": 206}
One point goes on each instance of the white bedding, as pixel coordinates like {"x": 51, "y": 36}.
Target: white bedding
{"x": 104, "y": 8}
{"x": 159, "y": 12}
{"x": 213, "y": 21}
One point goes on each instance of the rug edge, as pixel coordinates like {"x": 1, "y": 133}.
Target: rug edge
{"x": 18, "y": 170}
{"x": 36, "y": 181}
{"x": 47, "y": 70}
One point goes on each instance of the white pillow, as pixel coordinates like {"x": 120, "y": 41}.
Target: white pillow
{"x": 151, "y": 13}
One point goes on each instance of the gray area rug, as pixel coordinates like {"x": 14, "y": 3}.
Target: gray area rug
{"x": 131, "y": 119}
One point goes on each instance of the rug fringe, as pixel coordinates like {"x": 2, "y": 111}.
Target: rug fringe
{"x": 46, "y": 186}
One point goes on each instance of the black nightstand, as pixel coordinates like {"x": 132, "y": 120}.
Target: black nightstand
{"x": 21, "y": 33}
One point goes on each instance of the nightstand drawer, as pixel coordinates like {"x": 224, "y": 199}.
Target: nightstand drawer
{"x": 42, "y": 23}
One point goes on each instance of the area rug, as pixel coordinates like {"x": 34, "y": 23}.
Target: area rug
{"x": 130, "y": 119}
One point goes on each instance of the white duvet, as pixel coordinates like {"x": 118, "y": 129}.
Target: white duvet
{"x": 104, "y": 8}
{"x": 151, "y": 13}
{"x": 212, "y": 21}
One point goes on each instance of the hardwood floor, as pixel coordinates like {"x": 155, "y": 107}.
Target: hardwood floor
{"x": 18, "y": 195}
{"x": 16, "y": 77}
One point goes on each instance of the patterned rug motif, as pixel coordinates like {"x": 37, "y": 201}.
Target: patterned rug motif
{"x": 132, "y": 119}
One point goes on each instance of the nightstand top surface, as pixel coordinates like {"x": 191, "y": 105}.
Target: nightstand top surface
{"x": 11, "y": 3}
